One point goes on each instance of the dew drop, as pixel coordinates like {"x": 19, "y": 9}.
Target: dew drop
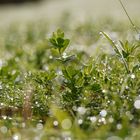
{"x": 132, "y": 76}
{"x": 1, "y": 104}
{"x": 80, "y": 121}
{"x": 59, "y": 72}
{"x": 3, "y": 129}
{"x": 74, "y": 108}
{"x": 111, "y": 120}
{"x": 55, "y": 123}
{"x": 108, "y": 101}
{"x": 4, "y": 117}
{"x": 66, "y": 124}
{"x": 64, "y": 55}
{"x": 119, "y": 126}
{"x": 50, "y": 57}
{"x": 100, "y": 33}
{"x": 103, "y": 113}
{"x": 137, "y": 104}
{"x": 85, "y": 98}
{"x": 94, "y": 78}
{"x": 13, "y": 72}
{"x": 45, "y": 67}
{"x": 36, "y": 102}
{"x": 81, "y": 110}
{"x": 102, "y": 120}
{"x": 16, "y": 137}
{"x": 104, "y": 91}
{"x": 93, "y": 119}
{"x": 1, "y": 86}
{"x": 39, "y": 126}
{"x": 23, "y": 125}
{"x": 126, "y": 87}
{"x": 17, "y": 79}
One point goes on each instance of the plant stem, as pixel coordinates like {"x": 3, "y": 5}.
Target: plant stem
{"x": 136, "y": 29}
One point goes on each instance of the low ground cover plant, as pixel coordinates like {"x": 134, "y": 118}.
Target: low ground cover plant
{"x": 52, "y": 88}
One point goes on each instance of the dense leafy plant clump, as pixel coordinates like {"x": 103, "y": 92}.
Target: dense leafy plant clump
{"x": 50, "y": 90}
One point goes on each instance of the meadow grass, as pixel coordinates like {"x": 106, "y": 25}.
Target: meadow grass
{"x": 77, "y": 85}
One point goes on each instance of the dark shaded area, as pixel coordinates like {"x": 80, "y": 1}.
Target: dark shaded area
{"x": 16, "y": 1}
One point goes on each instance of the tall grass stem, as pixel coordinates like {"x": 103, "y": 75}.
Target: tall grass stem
{"x": 132, "y": 23}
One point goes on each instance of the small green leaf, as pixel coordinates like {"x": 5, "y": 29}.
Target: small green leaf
{"x": 125, "y": 54}
{"x": 60, "y": 33}
{"x": 52, "y": 75}
{"x": 66, "y": 42}
{"x": 96, "y": 87}
{"x": 60, "y": 41}
{"x": 66, "y": 74}
{"x": 53, "y": 42}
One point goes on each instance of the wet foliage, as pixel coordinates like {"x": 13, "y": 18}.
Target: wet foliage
{"x": 53, "y": 88}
